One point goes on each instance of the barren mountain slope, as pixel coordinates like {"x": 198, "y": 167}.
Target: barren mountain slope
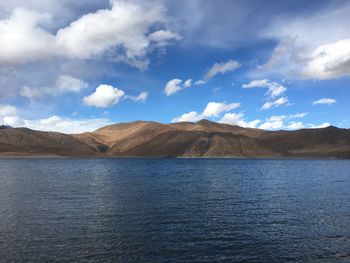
{"x": 200, "y": 139}
{"x": 203, "y": 138}
{"x": 23, "y": 141}
{"x": 326, "y": 142}
{"x": 209, "y": 126}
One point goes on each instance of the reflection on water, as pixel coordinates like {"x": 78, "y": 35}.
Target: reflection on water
{"x": 174, "y": 210}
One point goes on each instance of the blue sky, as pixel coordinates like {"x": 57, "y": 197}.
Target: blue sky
{"x": 74, "y": 66}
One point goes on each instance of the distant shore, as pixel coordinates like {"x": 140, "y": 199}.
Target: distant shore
{"x": 23, "y": 156}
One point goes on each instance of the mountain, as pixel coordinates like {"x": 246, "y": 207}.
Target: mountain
{"x": 4, "y": 127}
{"x": 26, "y": 142}
{"x": 184, "y": 139}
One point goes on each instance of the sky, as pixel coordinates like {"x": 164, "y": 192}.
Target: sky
{"x": 75, "y": 66}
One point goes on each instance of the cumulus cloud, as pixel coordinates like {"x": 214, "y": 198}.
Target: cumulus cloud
{"x": 125, "y": 25}
{"x": 323, "y": 125}
{"x": 329, "y": 61}
{"x": 141, "y": 97}
{"x": 214, "y": 109}
{"x": 274, "y": 89}
{"x": 192, "y": 116}
{"x": 221, "y": 68}
{"x": 305, "y": 51}
{"x": 124, "y": 32}
{"x": 163, "y": 38}
{"x": 273, "y": 123}
{"x": 228, "y": 118}
{"x": 175, "y": 85}
{"x": 104, "y": 96}
{"x": 172, "y": 86}
{"x": 57, "y": 123}
{"x": 276, "y": 122}
{"x": 188, "y": 83}
{"x": 295, "y": 125}
{"x": 22, "y": 39}
{"x": 327, "y": 101}
{"x": 276, "y": 103}
{"x": 13, "y": 121}
{"x": 64, "y": 84}
{"x": 238, "y": 119}
{"x": 285, "y": 122}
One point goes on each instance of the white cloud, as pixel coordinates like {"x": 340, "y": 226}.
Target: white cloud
{"x": 295, "y": 125}
{"x": 64, "y": 84}
{"x": 21, "y": 38}
{"x": 221, "y": 68}
{"x": 7, "y": 110}
{"x": 104, "y": 96}
{"x": 192, "y": 116}
{"x": 274, "y": 89}
{"x": 64, "y": 9}
{"x": 13, "y": 121}
{"x": 329, "y": 61}
{"x": 306, "y": 51}
{"x": 59, "y": 124}
{"x": 199, "y": 82}
{"x": 280, "y": 122}
{"x": 238, "y": 119}
{"x": 124, "y": 32}
{"x": 276, "y": 103}
{"x": 141, "y": 97}
{"x": 124, "y": 25}
{"x": 214, "y": 109}
{"x": 323, "y": 125}
{"x": 298, "y": 115}
{"x": 273, "y": 123}
{"x": 162, "y": 38}
{"x": 175, "y": 85}
{"x": 327, "y": 101}
{"x": 188, "y": 83}
{"x": 107, "y": 95}
{"x": 276, "y": 122}
{"x": 172, "y": 86}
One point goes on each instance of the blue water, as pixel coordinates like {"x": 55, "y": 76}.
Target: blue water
{"x": 174, "y": 210}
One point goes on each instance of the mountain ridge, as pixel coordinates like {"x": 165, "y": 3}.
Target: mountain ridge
{"x": 183, "y": 139}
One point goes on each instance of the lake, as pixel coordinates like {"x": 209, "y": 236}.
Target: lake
{"x": 174, "y": 210}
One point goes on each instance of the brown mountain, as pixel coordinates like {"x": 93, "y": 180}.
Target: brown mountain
{"x": 185, "y": 139}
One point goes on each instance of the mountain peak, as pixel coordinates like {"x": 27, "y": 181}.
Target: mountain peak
{"x": 205, "y": 121}
{"x": 331, "y": 127}
{"x": 5, "y": 127}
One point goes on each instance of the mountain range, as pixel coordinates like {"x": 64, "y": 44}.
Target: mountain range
{"x": 185, "y": 139}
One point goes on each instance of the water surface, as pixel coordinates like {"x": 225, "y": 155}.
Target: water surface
{"x": 169, "y": 210}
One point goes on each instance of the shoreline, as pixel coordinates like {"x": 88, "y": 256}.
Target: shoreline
{"x": 167, "y": 157}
